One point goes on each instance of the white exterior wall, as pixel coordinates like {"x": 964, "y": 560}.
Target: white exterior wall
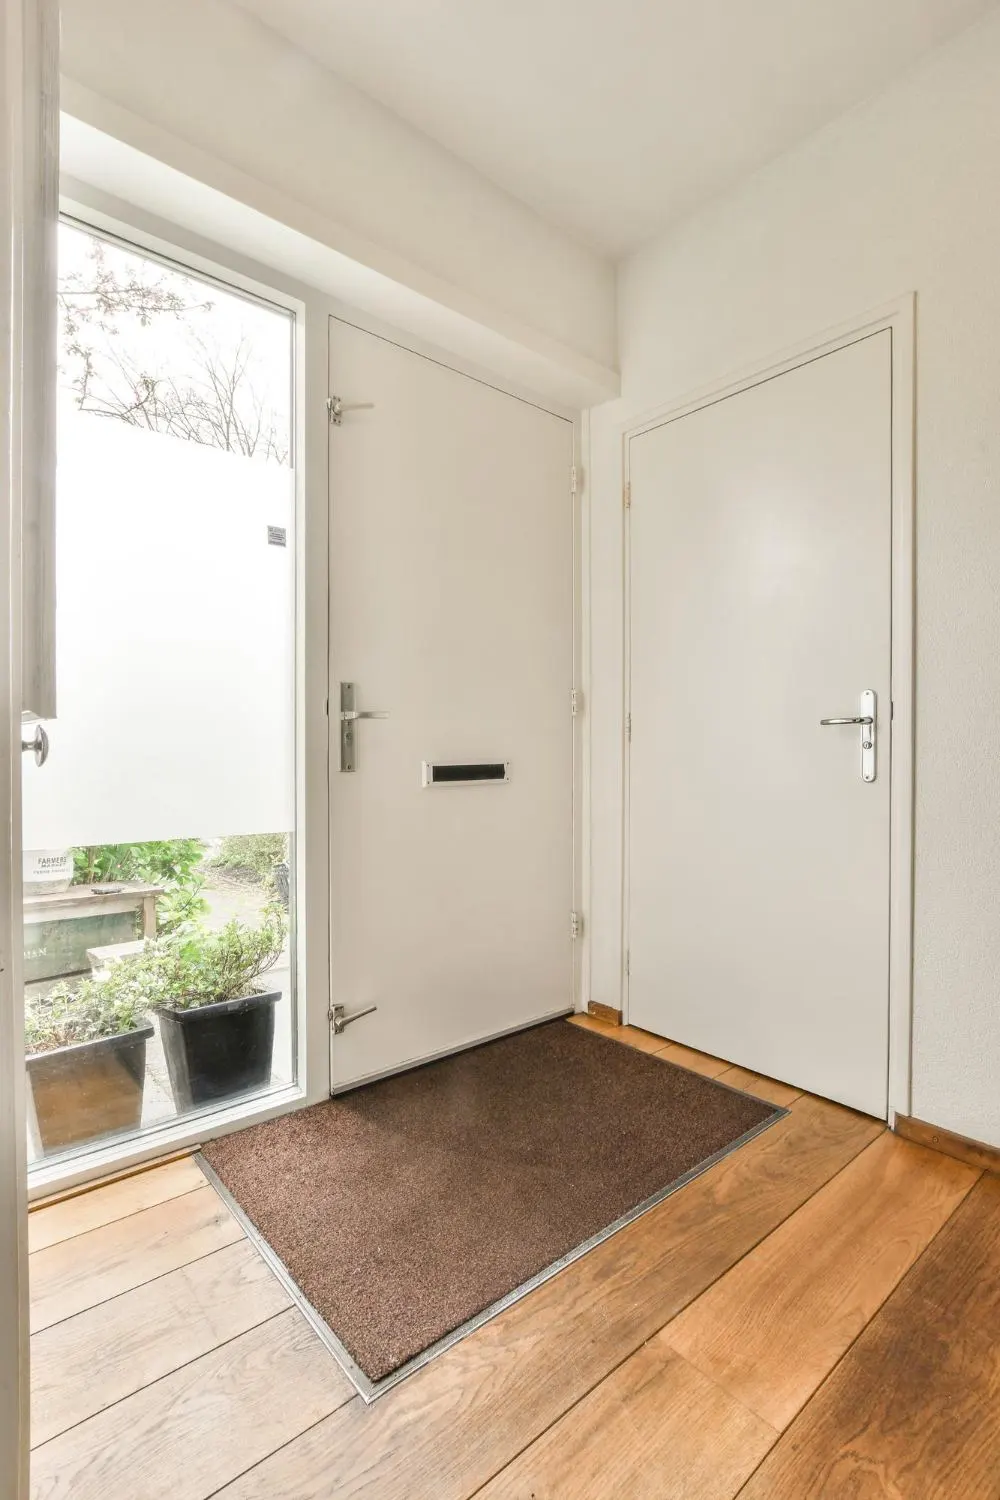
{"x": 899, "y": 195}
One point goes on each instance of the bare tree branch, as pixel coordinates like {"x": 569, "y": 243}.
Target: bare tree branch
{"x": 216, "y": 404}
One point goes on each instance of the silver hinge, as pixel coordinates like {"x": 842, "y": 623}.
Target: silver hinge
{"x": 627, "y": 494}
{"x": 628, "y": 727}
{"x": 576, "y": 702}
{"x": 628, "y": 962}
{"x": 575, "y": 925}
{"x": 575, "y": 479}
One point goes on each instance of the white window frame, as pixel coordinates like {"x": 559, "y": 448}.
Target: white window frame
{"x": 91, "y": 209}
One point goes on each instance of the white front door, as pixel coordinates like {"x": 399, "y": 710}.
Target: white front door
{"x": 452, "y": 613}
{"x": 758, "y": 894}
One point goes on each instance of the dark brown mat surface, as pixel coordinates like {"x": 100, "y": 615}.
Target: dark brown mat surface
{"x": 409, "y": 1206}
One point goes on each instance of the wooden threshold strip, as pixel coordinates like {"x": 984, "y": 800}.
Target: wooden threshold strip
{"x": 102, "y": 1182}
{"x": 604, "y": 1012}
{"x": 961, "y": 1147}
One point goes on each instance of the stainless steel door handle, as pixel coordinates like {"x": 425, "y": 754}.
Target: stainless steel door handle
{"x": 349, "y": 716}
{"x": 340, "y": 1018}
{"x": 39, "y": 745}
{"x": 867, "y": 720}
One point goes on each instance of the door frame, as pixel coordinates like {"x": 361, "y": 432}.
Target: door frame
{"x": 899, "y": 318}
{"x": 364, "y": 322}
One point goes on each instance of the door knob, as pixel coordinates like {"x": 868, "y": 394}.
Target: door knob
{"x": 39, "y": 745}
{"x": 866, "y": 720}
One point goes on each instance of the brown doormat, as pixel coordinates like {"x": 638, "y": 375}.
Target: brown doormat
{"x": 405, "y": 1209}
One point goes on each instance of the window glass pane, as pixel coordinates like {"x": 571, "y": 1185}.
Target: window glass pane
{"x": 159, "y": 835}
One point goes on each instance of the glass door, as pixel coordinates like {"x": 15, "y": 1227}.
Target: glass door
{"x": 159, "y": 903}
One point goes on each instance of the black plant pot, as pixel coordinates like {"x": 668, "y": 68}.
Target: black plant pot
{"x": 88, "y": 1090}
{"x": 216, "y": 1051}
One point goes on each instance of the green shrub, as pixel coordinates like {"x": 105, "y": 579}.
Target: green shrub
{"x": 199, "y": 968}
{"x": 95, "y": 1009}
{"x": 172, "y": 863}
{"x": 186, "y": 969}
{"x": 252, "y": 856}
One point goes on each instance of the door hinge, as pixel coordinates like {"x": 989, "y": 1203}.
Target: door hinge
{"x": 628, "y": 727}
{"x": 628, "y": 963}
{"x": 627, "y": 494}
{"x": 576, "y": 702}
{"x": 575, "y": 479}
{"x": 575, "y": 925}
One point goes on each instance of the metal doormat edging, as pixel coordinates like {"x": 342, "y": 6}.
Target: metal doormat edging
{"x": 371, "y": 1390}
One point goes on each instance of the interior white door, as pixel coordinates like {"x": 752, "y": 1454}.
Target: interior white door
{"x": 452, "y": 612}
{"x": 758, "y": 881}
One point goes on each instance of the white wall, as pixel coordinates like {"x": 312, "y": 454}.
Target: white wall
{"x": 902, "y": 194}
{"x": 276, "y": 130}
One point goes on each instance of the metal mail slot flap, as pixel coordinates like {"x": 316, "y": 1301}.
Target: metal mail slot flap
{"x": 465, "y": 773}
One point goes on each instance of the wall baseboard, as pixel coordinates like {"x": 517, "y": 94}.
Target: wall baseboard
{"x": 604, "y": 1013}
{"x": 973, "y": 1153}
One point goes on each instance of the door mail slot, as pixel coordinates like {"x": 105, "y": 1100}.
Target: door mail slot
{"x": 465, "y": 773}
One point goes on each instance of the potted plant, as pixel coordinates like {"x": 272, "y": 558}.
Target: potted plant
{"x": 216, "y": 1020}
{"x": 86, "y": 1061}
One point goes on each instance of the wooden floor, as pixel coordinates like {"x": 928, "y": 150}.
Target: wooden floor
{"x": 816, "y": 1316}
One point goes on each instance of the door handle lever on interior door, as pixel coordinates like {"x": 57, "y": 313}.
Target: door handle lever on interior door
{"x": 348, "y": 715}
{"x": 867, "y": 722}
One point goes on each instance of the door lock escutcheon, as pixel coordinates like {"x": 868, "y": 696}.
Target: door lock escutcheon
{"x": 349, "y": 716}
{"x": 867, "y": 721}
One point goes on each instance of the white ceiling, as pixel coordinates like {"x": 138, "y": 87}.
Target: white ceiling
{"x": 613, "y": 118}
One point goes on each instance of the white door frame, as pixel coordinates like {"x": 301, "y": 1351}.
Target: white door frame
{"x": 28, "y": 164}
{"x": 899, "y": 317}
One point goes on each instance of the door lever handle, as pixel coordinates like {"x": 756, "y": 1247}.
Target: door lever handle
{"x": 866, "y": 722}
{"x": 340, "y": 1018}
{"x": 349, "y": 716}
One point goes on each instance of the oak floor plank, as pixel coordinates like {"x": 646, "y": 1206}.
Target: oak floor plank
{"x": 448, "y": 1429}
{"x": 632, "y": 1036}
{"x": 88, "y": 1362}
{"x": 90, "y": 1268}
{"x": 187, "y": 1434}
{"x": 762, "y": 1087}
{"x": 103, "y": 1205}
{"x": 912, "y": 1412}
{"x": 771, "y": 1330}
{"x": 656, "y": 1429}
{"x": 698, "y": 1062}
